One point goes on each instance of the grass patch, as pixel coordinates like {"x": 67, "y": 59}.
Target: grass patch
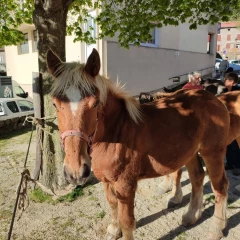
{"x": 77, "y": 192}
{"x": 37, "y": 195}
{"x": 101, "y": 214}
{"x": 16, "y": 155}
{"x": 5, "y": 214}
{"x": 210, "y": 198}
{"x": 182, "y": 236}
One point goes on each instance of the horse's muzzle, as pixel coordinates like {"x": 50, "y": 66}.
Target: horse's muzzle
{"x": 77, "y": 178}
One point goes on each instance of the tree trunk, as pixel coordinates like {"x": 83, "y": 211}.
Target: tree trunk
{"x": 49, "y": 18}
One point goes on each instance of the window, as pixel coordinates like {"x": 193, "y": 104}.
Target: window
{"x": 12, "y": 106}
{"x": 35, "y": 41}
{"x": 238, "y": 36}
{"x": 153, "y": 41}
{"x": 218, "y": 48}
{"x": 21, "y": 4}
{"x": 229, "y": 37}
{"x": 91, "y": 27}
{"x": 210, "y": 43}
{"x": 228, "y": 45}
{"x": 24, "y": 48}
{"x": 18, "y": 90}
{"x": 219, "y": 37}
{"x": 25, "y": 105}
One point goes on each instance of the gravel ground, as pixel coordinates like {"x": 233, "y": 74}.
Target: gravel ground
{"x": 88, "y": 216}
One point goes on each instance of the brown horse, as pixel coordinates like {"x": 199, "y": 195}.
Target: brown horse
{"x": 172, "y": 182}
{"x": 130, "y": 142}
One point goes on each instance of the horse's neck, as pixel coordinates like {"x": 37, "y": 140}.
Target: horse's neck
{"x": 113, "y": 117}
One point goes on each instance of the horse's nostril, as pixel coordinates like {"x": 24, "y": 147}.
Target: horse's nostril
{"x": 86, "y": 171}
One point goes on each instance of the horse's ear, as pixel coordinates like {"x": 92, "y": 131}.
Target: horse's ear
{"x": 93, "y": 64}
{"x": 53, "y": 62}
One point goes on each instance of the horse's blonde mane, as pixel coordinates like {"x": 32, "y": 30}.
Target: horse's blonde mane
{"x": 73, "y": 74}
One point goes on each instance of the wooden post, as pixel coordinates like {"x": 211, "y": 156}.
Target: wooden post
{"x": 38, "y": 113}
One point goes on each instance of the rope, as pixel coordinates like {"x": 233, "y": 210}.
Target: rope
{"x": 38, "y": 122}
{"x": 19, "y": 188}
{"x": 22, "y": 196}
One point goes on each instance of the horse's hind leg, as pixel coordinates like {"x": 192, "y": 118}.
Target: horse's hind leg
{"x": 113, "y": 230}
{"x": 177, "y": 194}
{"x": 196, "y": 175}
{"x": 166, "y": 185}
{"x": 219, "y": 183}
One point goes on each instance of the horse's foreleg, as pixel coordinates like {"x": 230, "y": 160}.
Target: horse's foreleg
{"x": 113, "y": 230}
{"x": 196, "y": 175}
{"x": 126, "y": 210}
{"x": 176, "y": 189}
{"x": 219, "y": 183}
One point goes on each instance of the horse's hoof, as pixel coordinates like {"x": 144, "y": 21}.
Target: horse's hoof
{"x": 171, "y": 204}
{"x": 215, "y": 236}
{"x": 187, "y": 221}
{"x": 113, "y": 233}
{"x": 111, "y": 237}
{"x": 174, "y": 201}
{"x": 163, "y": 190}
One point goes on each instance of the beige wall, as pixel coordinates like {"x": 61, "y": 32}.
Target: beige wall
{"x": 148, "y": 69}
{"x": 182, "y": 38}
{"x": 178, "y": 52}
{"x": 21, "y": 66}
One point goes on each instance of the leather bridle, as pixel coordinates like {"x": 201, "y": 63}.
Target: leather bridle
{"x": 88, "y": 138}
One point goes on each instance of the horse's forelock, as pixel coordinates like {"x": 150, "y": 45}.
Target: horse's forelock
{"x": 73, "y": 74}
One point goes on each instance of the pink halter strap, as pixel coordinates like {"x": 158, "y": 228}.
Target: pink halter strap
{"x": 74, "y": 133}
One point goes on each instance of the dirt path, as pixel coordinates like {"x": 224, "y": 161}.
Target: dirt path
{"x": 88, "y": 216}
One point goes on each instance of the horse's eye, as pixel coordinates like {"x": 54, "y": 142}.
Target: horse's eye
{"x": 96, "y": 104}
{"x": 54, "y": 105}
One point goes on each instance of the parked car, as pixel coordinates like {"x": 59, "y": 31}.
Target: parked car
{"x": 13, "y": 112}
{"x": 234, "y": 66}
{"x": 235, "y": 61}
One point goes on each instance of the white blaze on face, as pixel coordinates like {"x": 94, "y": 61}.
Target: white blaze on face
{"x": 74, "y": 96}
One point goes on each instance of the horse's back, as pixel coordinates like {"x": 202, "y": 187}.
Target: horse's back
{"x": 187, "y": 115}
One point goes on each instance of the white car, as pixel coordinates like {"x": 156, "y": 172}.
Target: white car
{"x": 232, "y": 65}
{"x": 14, "y": 110}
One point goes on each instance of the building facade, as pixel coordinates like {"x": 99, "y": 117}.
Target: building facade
{"x": 2, "y": 61}
{"x": 172, "y": 52}
{"x": 228, "y": 40}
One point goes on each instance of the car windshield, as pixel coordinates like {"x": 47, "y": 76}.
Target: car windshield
{"x": 25, "y": 105}
{"x": 18, "y": 90}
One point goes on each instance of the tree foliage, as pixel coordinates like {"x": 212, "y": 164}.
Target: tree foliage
{"x": 235, "y": 15}
{"x": 12, "y": 15}
{"x": 130, "y": 19}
